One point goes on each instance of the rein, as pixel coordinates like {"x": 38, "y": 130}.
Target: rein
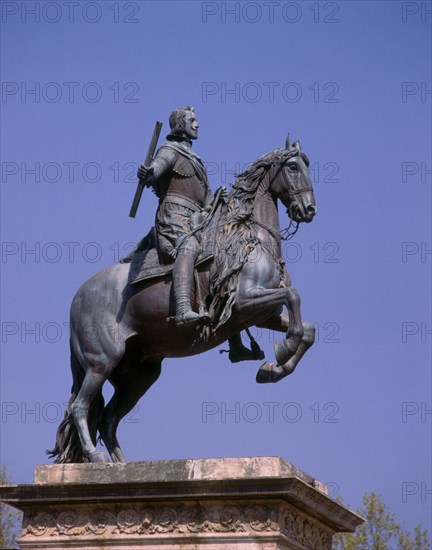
{"x": 283, "y": 234}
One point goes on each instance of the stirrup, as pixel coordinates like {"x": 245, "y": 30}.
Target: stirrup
{"x": 238, "y": 354}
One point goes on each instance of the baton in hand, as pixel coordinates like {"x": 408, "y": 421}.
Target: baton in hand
{"x": 147, "y": 162}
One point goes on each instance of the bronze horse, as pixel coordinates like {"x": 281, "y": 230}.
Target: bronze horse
{"x": 120, "y": 333}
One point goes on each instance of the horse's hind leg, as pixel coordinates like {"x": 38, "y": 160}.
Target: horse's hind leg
{"x": 90, "y": 389}
{"x": 130, "y": 385}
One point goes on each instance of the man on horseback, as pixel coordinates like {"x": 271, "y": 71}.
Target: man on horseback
{"x": 179, "y": 178}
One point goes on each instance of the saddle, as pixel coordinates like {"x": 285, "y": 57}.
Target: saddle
{"x": 146, "y": 265}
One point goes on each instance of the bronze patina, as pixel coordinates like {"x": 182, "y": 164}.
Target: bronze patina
{"x": 242, "y": 283}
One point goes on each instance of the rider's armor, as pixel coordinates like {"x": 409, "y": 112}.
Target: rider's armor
{"x": 180, "y": 181}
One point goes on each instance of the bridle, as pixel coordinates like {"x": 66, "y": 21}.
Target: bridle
{"x": 285, "y": 234}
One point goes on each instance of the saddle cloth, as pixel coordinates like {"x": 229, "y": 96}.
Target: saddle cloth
{"x": 145, "y": 265}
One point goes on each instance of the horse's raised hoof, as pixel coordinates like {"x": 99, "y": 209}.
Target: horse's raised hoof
{"x": 268, "y": 372}
{"x": 98, "y": 456}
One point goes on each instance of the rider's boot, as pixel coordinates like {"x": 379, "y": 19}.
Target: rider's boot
{"x": 183, "y": 277}
{"x": 238, "y": 352}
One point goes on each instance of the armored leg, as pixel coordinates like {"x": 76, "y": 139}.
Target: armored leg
{"x": 183, "y": 278}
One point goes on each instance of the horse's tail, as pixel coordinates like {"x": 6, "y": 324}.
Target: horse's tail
{"x": 68, "y": 445}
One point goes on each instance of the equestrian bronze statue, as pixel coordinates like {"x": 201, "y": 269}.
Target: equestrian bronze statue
{"x": 129, "y": 317}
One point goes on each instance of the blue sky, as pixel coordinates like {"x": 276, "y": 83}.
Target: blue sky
{"x": 352, "y": 81}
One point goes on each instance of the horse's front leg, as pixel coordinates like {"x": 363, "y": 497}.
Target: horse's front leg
{"x": 261, "y": 294}
{"x": 285, "y": 349}
{"x": 270, "y": 372}
{"x": 253, "y": 302}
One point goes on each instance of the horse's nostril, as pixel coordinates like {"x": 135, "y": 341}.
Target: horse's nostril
{"x": 310, "y": 209}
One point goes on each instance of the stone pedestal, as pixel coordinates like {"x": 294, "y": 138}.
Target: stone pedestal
{"x": 261, "y": 503}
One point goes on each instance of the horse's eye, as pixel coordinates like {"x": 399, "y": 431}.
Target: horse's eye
{"x": 293, "y": 167}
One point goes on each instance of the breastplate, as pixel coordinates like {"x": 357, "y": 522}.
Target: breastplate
{"x": 184, "y": 181}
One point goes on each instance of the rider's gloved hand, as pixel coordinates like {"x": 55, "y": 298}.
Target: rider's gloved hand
{"x": 143, "y": 172}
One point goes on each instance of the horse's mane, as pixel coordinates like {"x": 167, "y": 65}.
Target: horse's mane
{"x": 238, "y": 234}
{"x": 241, "y": 198}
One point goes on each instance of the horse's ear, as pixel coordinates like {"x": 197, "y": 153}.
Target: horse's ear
{"x": 297, "y": 145}
{"x": 287, "y": 142}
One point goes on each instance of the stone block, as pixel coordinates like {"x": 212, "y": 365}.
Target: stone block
{"x": 259, "y": 503}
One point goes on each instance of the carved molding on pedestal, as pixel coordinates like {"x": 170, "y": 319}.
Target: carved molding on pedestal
{"x": 151, "y": 520}
{"x": 303, "y": 531}
{"x": 112, "y": 521}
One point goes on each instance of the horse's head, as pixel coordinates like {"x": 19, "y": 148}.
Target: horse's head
{"x": 290, "y": 183}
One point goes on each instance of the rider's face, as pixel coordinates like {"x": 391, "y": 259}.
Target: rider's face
{"x": 191, "y": 126}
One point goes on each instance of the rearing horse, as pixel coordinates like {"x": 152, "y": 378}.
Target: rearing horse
{"x": 120, "y": 333}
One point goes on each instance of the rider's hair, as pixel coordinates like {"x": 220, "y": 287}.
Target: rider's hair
{"x": 177, "y": 119}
